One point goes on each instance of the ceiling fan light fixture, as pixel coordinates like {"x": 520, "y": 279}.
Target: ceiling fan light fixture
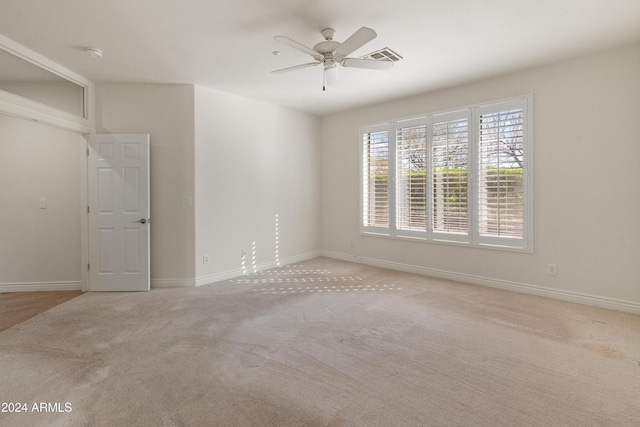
{"x": 331, "y": 75}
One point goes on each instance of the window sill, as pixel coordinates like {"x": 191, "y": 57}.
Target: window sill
{"x": 425, "y": 240}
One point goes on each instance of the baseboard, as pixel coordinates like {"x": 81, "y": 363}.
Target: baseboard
{"x": 569, "y": 296}
{"x": 173, "y": 283}
{"x": 230, "y": 274}
{"x": 40, "y": 286}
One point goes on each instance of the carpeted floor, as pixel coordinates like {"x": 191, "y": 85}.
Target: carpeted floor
{"x": 322, "y": 343}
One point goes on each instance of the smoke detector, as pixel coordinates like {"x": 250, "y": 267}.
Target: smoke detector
{"x": 93, "y": 52}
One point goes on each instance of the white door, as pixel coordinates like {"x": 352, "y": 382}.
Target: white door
{"x": 119, "y": 212}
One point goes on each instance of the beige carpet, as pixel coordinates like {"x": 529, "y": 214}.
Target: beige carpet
{"x": 323, "y": 343}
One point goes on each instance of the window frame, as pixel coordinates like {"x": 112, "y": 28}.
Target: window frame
{"x": 447, "y": 117}
{"x": 372, "y": 230}
{"x": 473, "y": 237}
{"x": 400, "y": 124}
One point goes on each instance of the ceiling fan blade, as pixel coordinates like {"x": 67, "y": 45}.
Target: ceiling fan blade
{"x": 358, "y": 39}
{"x": 295, "y": 67}
{"x": 371, "y": 64}
{"x": 294, "y": 44}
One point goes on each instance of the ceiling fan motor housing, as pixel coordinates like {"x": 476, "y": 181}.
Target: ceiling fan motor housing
{"x": 325, "y": 47}
{"x": 328, "y": 33}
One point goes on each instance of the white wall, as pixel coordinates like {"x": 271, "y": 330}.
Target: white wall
{"x": 253, "y": 161}
{"x": 65, "y": 95}
{"x": 166, "y": 113}
{"x": 241, "y": 163}
{"x": 39, "y": 248}
{"x": 244, "y": 161}
{"x": 586, "y": 199}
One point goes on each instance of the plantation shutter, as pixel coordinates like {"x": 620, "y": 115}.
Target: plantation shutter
{"x": 450, "y": 173}
{"x": 411, "y": 173}
{"x": 461, "y": 176}
{"x": 375, "y": 179}
{"x": 501, "y": 195}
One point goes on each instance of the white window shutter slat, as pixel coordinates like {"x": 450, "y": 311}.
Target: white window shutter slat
{"x": 411, "y": 173}
{"x": 501, "y": 165}
{"x": 450, "y": 172}
{"x": 375, "y": 179}
{"x": 458, "y": 176}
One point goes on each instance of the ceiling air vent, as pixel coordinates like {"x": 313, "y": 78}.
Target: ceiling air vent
{"x": 383, "y": 54}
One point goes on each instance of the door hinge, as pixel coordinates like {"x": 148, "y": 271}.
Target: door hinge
{"x": 88, "y": 267}
{"x": 88, "y": 209}
{"x": 87, "y": 152}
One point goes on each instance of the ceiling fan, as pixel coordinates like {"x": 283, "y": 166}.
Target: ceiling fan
{"x": 331, "y": 53}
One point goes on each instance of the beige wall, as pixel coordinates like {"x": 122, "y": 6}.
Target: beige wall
{"x": 65, "y": 96}
{"x": 39, "y": 248}
{"x": 239, "y": 161}
{"x": 244, "y": 161}
{"x": 253, "y": 161}
{"x": 166, "y": 113}
{"x": 586, "y": 198}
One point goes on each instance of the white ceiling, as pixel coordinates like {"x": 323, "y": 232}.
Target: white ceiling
{"x": 228, "y": 44}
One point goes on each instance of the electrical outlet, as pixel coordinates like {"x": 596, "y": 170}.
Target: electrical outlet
{"x": 551, "y": 270}
{"x": 187, "y": 201}
{"x": 43, "y": 203}
{"x": 206, "y": 259}
{"x": 243, "y": 253}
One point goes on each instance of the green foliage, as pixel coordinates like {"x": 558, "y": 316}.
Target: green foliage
{"x": 503, "y": 183}
{"x": 502, "y": 171}
{"x": 450, "y": 189}
{"x": 382, "y": 176}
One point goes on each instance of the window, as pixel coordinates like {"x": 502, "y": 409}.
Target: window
{"x": 450, "y": 175}
{"x": 501, "y": 160}
{"x": 459, "y": 176}
{"x": 411, "y": 177}
{"x": 375, "y": 191}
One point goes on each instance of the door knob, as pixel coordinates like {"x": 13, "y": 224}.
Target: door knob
{"x": 142, "y": 221}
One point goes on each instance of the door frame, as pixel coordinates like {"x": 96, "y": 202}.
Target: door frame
{"x": 84, "y": 214}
